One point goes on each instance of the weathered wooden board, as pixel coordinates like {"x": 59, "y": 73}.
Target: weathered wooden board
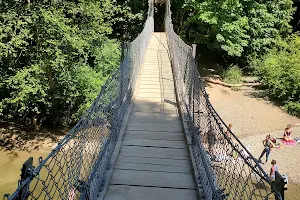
{"x": 156, "y": 86}
{"x": 154, "y": 179}
{"x": 152, "y": 126}
{"x": 156, "y": 161}
{"x": 154, "y": 143}
{"x": 160, "y": 90}
{"x": 152, "y": 167}
{"x": 154, "y": 115}
{"x": 153, "y": 152}
{"x": 154, "y": 119}
{"x": 153, "y": 107}
{"x": 153, "y": 135}
{"x": 120, "y": 192}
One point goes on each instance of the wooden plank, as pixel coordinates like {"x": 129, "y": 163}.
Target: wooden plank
{"x": 158, "y": 108}
{"x": 153, "y": 168}
{"x": 154, "y": 119}
{"x": 154, "y": 135}
{"x": 124, "y": 192}
{"x": 153, "y": 152}
{"x": 154, "y": 143}
{"x": 155, "y": 161}
{"x": 159, "y": 90}
{"x": 157, "y": 72}
{"x": 153, "y": 105}
{"x": 157, "y": 79}
{"x": 152, "y": 126}
{"x": 154, "y": 179}
{"x": 155, "y": 99}
{"x": 156, "y": 86}
{"x": 156, "y": 95}
{"x": 154, "y": 115}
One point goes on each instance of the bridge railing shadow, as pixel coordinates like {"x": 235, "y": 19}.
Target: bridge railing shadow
{"x": 224, "y": 168}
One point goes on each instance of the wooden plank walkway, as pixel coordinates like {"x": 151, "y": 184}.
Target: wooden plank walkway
{"x": 153, "y": 162}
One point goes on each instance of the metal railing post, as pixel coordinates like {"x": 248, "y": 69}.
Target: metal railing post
{"x": 280, "y": 185}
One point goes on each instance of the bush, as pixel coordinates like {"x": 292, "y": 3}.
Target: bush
{"x": 233, "y": 75}
{"x": 293, "y": 108}
{"x": 279, "y": 70}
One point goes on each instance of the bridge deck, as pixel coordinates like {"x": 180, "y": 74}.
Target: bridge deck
{"x": 153, "y": 162}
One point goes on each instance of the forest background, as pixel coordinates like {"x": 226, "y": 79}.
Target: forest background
{"x": 55, "y": 55}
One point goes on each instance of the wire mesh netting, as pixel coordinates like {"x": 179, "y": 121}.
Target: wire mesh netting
{"x": 77, "y": 167}
{"x": 224, "y": 168}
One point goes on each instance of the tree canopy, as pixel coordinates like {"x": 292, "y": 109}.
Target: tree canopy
{"x": 238, "y": 27}
{"x": 55, "y": 55}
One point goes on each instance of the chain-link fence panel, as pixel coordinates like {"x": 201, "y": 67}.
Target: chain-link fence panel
{"x": 224, "y": 168}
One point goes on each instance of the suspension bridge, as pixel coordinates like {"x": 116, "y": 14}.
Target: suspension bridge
{"x": 150, "y": 134}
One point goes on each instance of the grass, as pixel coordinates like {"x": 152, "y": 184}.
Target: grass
{"x": 233, "y": 75}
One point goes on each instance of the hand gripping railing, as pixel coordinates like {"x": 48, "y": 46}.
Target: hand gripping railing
{"x": 76, "y": 168}
{"x": 224, "y": 168}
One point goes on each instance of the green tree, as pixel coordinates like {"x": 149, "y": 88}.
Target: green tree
{"x": 238, "y": 28}
{"x": 55, "y": 55}
{"x": 279, "y": 70}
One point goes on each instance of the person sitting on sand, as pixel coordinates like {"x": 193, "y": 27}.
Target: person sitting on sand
{"x": 287, "y": 136}
{"x": 274, "y": 168}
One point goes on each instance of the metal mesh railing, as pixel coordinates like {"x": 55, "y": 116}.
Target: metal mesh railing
{"x": 224, "y": 168}
{"x": 76, "y": 168}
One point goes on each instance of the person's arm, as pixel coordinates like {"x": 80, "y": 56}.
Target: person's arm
{"x": 272, "y": 144}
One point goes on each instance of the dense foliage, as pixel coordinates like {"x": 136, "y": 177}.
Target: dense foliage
{"x": 129, "y": 19}
{"x": 279, "y": 70}
{"x": 248, "y": 32}
{"x": 55, "y": 55}
{"x": 238, "y": 28}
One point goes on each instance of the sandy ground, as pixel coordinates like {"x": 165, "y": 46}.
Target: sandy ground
{"x": 287, "y": 157}
{"x": 253, "y": 118}
{"x": 250, "y": 115}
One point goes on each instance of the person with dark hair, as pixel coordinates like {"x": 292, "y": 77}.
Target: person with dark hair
{"x": 274, "y": 168}
{"x": 267, "y": 143}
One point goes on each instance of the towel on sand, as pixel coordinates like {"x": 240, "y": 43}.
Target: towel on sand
{"x": 293, "y": 142}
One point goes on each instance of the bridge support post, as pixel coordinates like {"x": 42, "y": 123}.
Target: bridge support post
{"x": 25, "y": 173}
{"x": 194, "y": 50}
{"x": 124, "y": 48}
{"x": 280, "y": 185}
